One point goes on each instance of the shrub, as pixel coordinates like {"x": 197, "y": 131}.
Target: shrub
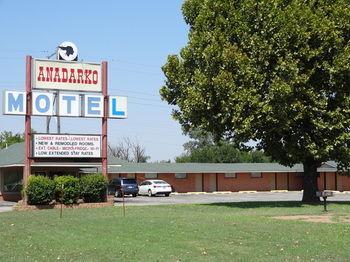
{"x": 40, "y": 190}
{"x": 93, "y": 188}
{"x": 67, "y": 189}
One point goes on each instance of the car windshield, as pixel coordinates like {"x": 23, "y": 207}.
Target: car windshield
{"x": 129, "y": 181}
{"x": 160, "y": 182}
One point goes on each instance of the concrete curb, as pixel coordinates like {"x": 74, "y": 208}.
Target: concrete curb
{"x": 341, "y": 192}
{"x": 198, "y": 193}
{"x": 189, "y": 193}
{"x": 222, "y": 192}
{"x": 241, "y": 192}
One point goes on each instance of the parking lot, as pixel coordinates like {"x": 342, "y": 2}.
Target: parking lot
{"x": 6, "y": 206}
{"x": 207, "y": 198}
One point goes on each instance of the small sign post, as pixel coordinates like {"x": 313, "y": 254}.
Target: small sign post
{"x": 61, "y": 198}
{"x": 123, "y": 202}
{"x": 324, "y": 194}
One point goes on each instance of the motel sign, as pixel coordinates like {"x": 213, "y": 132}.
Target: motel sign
{"x": 68, "y": 89}
{"x": 63, "y": 75}
{"x": 69, "y": 105}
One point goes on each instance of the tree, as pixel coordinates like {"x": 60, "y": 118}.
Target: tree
{"x": 199, "y": 139}
{"x": 7, "y": 138}
{"x": 203, "y": 149}
{"x": 223, "y": 153}
{"x": 274, "y": 71}
{"x": 128, "y": 150}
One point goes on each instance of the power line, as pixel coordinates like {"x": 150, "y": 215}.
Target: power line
{"x": 11, "y": 58}
{"x": 133, "y": 63}
{"x": 23, "y": 51}
{"x": 111, "y": 60}
{"x": 133, "y": 97}
{"x": 141, "y": 98}
{"x": 151, "y": 74}
{"x": 2, "y": 83}
{"x": 135, "y": 103}
{"x": 136, "y": 92}
{"x": 151, "y": 125}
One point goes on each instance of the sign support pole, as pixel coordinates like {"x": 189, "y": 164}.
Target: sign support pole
{"x": 27, "y": 131}
{"x": 104, "y": 119}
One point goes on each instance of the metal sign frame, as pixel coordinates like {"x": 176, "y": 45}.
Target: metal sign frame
{"x": 28, "y": 160}
{"x": 57, "y": 134}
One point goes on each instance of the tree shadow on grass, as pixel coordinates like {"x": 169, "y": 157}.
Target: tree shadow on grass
{"x": 257, "y": 204}
{"x": 336, "y": 202}
{"x": 280, "y": 204}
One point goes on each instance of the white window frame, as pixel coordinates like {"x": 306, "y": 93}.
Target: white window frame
{"x": 40, "y": 173}
{"x": 230, "y": 175}
{"x": 131, "y": 175}
{"x": 151, "y": 175}
{"x": 181, "y": 175}
{"x": 255, "y": 175}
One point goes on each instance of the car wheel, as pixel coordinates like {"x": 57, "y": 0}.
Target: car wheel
{"x": 167, "y": 194}
{"x": 150, "y": 193}
{"x": 134, "y": 195}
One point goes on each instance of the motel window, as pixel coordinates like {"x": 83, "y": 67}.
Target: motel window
{"x": 131, "y": 176}
{"x": 13, "y": 181}
{"x": 151, "y": 175}
{"x": 230, "y": 175}
{"x": 255, "y": 175}
{"x": 40, "y": 173}
{"x": 180, "y": 175}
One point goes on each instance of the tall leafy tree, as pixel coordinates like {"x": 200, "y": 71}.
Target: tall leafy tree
{"x": 7, "y": 138}
{"x": 202, "y": 148}
{"x": 198, "y": 139}
{"x": 222, "y": 153}
{"x": 275, "y": 71}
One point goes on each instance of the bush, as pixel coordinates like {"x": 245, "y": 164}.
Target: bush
{"x": 93, "y": 188}
{"x": 40, "y": 190}
{"x": 67, "y": 189}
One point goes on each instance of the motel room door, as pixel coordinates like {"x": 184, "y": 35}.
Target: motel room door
{"x": 209, "y": 182}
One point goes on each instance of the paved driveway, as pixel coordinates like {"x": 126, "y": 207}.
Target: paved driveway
{"x": 6, "y": 206}
{"x": 221, "y": 198}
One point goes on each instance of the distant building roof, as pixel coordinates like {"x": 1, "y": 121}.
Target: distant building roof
{"x": 203, "y": 168}
{"x": 14, "y": 156}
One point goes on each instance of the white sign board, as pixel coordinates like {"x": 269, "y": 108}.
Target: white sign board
{"x": 42, "y": 104}
{"x": 64, "y": 75}
{"x": 14, "y": 103}
{"x": 69, "y": 104}
{"x": 66, "y": 146}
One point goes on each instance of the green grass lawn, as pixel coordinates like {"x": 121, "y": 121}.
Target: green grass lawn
{"x": 215, "y": 232}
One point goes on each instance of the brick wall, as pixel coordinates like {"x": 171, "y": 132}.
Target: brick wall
{"x": 330, "y": 181}
{"x": 295, "y": 181}
{"x": 180, "y": 185}
{"x": 343, "y": 183}
{"x": 281, "y": 181}
{"x": 244, "y": 182}
{"x": 209, "y": 182}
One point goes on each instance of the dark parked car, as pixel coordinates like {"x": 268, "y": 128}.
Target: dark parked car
{"x": 128, "y": 186}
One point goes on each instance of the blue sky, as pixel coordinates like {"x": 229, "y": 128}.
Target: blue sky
{"x": 134, "y": 36}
